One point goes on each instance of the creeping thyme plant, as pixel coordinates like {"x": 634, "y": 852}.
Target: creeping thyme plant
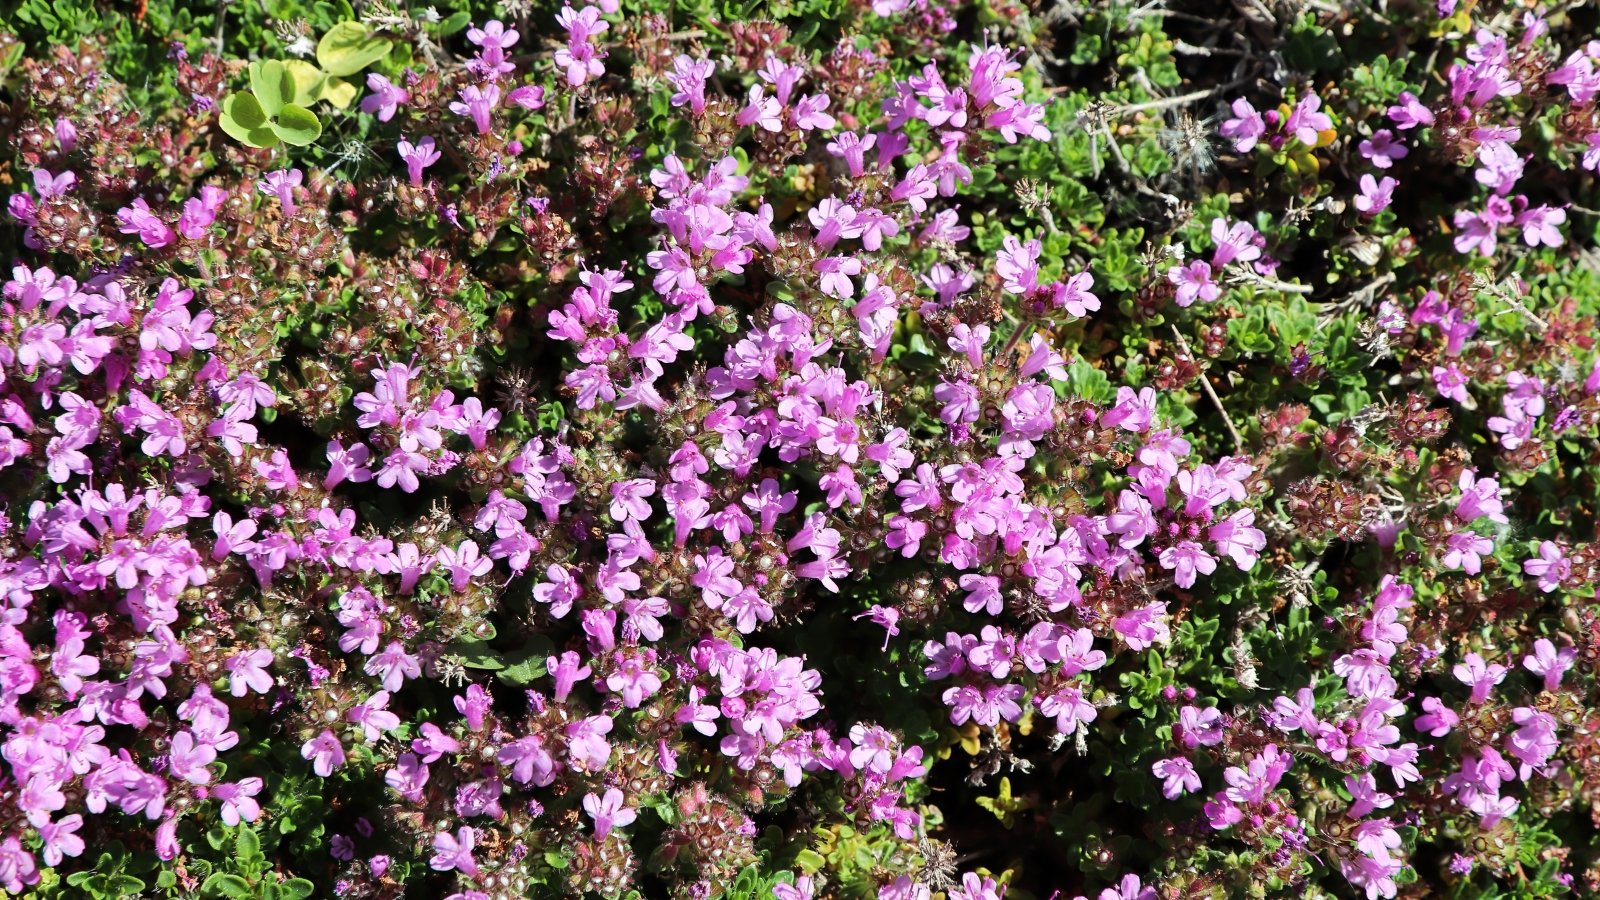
{"x": 799, "y": 449}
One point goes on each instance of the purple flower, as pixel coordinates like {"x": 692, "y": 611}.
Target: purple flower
{"x": 1306, "y": 122}
{"x": 1541, "y": 225}
{"x": 247, "y": 671}
{"x": 1409, "y": 112}
{"x": 454, "y": 851}
{"x": 688, "y": 77}
{"x": 1245, "y": 128}
{"x": 1550, "y": 663}
{"x": 417, "y": 157}
{"x": 1479, "y": 675}
{"x": 238, "y": 800}
{"x": 1177, "y": 775}
{"x": 281, "y": 184}
{"x": 138, "y": 219}
{"x": 325, "y": 753}
{"x": 1194, "y": 283}
{"x": 607, "y": 811}
{"x": 1375, "y": 195}
{"x": 61, "y": 839}
{"x": 1383, "y": 148}
{"x": 478, "y": 103}
{"x": 385, "y": 97}
{"x": 580, "y": 59}
{"x": 808, "y": 114}
{"x": 1463, "y": 550}
{"x": 1451, "y": 382}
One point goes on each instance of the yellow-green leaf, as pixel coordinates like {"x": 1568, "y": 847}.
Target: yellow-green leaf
{"x": 348, "y": 48}
{"x": 307, "y": 79}
{"x": 338, "y": 92}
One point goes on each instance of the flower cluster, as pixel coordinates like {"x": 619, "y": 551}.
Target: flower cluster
{"x": 690, "y": 461}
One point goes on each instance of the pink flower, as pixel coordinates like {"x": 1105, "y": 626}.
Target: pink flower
{"x": 1540, "y": 225}
{"x": 1375, "y": 195}
{"x": 200, "y": 212}
{"x": 580, "y": 59}
{"x": 281, "y": 184}
{"x": 138, "y": 219}
{"x": 1245, "y": 128}
{"x": 1132, "y": 412}
{"x": 1187, "y": 559}
{"x": 247, "y": 671}
{"x": 61, "y": 839}
{"x": 635, "y": 680}
{"x": 983, "y": 594}
{"x": 1480, "y": 498}
{"x": 1451, "y": 382}
{"x": 385, "y": 98}
{"x": 1199, "y": 727}
{"x": 628, "y": 499}
{"x": 1074, "y": 296}
{"x": 1410, "y": 112}
{"x": 761, "y": 111}
{"x": 528, "y": 761}
{"x": 608, "y": 811}
{"x": 1436, "y": 720}
{"x": 1178, "y": 777}
{"x": 1238, "y": 538}
{"x": 325, "y": 753}
{"x": 1464, "y": 550}
{"x": 1017, "y": 264}
{"x": 477, "y": 103}
{"x": 1550, "y": 663}
{"x": 1306, "y": 122}
{"x": 1194, "y": 283}
{"x": 454, "y": 851}
{"x": 1383, "y": 148}
{"x": 417, "y": 157}
{"x": 238, "y": 800}
{"x": 808, "y": 115}
{"x": 1479, "y": 675}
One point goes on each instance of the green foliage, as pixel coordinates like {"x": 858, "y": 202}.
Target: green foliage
{"x": 269, "y": 114}
{"x": 349, "y": 47}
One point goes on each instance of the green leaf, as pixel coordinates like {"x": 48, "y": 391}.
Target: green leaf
{"x": 230, "y": 886}
{"x": 454, "y": 23}
{"x": 338, "y": 92}
{"x": 245, "y": 121}
{"x": 9, "y": 58}
{"x": 296, "y": 126}
{"x": 307, "y": 80}
{"x": 247, "y": 845}
{"x": 476, "y": 654}
{"x": 271, "y": 84}
{"x": 347, "y": 48}
{"x": 527, "y": 664}
{"x": 123, "y": 886}
{"x": 296, "y": 889}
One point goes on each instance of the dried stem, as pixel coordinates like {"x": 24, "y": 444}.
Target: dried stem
{"x": 1205, "y": 384}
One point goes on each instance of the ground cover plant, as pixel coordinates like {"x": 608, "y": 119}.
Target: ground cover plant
{"x": 799, "y": 449}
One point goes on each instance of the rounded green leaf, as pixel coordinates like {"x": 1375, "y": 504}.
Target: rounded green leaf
{"x": 230, "y": 886}
{"x": 271, "y": 84}
{"x": 296, "y": 126}
{"x": 347, "y": 48}
{"x": 245, "y": 121}
{"x": 338, "y": 92}
{"x": 307, "y": 80}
